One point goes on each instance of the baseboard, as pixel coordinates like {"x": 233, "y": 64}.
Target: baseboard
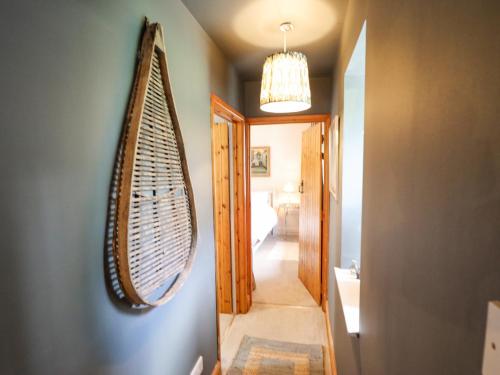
{"x": 217, "y": 369}
{"x": 331, "y": 350}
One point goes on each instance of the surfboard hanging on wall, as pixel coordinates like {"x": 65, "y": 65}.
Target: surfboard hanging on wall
{"x": 154, "y": 238}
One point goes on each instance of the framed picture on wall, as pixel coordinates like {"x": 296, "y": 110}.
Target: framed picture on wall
{"x": 334, "y": 157}
{"x": 260, "y": 161}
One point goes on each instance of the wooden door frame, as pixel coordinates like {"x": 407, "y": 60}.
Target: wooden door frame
{"x": 222, "y": 216}
{"x": 297, "y": 119}
{"x": 242, "y": 241}
{"x": 242, "y": 202}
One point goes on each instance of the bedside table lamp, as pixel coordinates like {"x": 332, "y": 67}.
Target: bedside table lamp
{"x": 289, "y": 189}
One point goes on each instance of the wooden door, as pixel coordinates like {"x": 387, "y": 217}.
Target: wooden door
{"x": 222, "y": 216}
{"x": 310, "y": 211}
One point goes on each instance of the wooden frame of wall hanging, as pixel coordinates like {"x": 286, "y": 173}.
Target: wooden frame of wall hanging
{"x": 154, "y": 240}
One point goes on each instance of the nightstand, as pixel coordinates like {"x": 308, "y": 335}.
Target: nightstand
{"x": 288, "y": 220}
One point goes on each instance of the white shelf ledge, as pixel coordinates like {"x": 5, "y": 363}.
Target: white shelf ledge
{"x": 349, "y": 298}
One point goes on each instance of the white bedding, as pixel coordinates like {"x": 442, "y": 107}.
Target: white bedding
{"x": 264, "y": 217}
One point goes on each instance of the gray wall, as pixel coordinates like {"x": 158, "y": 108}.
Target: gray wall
{"x": 66, "y": 74}
{"x": 431, "y": 197}
{"x": 321, "y": 90}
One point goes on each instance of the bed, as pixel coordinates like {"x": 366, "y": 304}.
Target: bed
{"x": 264, "y": 217}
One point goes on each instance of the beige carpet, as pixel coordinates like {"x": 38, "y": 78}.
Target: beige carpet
{"x": 276, "y": 322}
{"x": 275, "y": 266}
{"x": 282, "y": 307}
{"x": 270, "y": 357}
{"x": 225, "y": 321}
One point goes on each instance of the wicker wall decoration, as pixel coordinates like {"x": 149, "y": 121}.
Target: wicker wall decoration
{"x": 155, "y": 232}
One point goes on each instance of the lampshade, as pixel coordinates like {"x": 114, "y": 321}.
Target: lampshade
{"x": 285, "y": 83}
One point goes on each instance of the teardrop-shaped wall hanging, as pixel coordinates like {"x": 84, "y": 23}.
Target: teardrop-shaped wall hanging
{"x": 155, "y": 228}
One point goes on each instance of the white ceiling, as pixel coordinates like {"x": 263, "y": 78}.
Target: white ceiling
{"x": 248, "y": 30}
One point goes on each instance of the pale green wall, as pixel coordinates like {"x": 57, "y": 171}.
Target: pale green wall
{"x": 352, "y": 156}
{"x": 65, "y": 73}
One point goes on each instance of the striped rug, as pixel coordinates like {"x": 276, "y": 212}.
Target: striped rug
{"x": 260, "y": 356}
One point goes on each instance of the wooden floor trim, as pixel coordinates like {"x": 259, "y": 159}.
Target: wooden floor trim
{"x": 331, "y": 351}
{"x": 217, "y": 369}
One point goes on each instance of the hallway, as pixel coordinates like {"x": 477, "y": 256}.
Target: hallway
{"x": 124, "y": 251}
{"x": 282, "y": 308}
{"x": 276, "y": 270}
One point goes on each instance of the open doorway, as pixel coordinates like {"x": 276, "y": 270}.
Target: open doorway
{"x": 292, "y": 186}
{"x": 228, "y": 132}
{"x": 299, "y": 201}
{"x": 276, "y": 180}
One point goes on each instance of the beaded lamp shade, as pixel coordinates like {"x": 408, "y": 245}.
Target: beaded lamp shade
{"x": 285, "y": 80}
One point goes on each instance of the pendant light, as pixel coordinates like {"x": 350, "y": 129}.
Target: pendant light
{"x": 285, "y": 80}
